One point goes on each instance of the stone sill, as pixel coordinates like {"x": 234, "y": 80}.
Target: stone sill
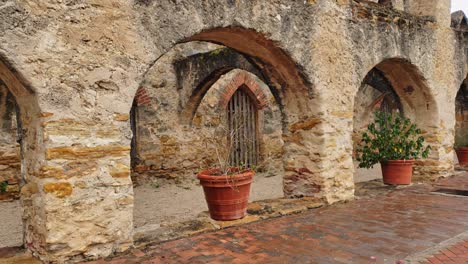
{"x": 259, "y": 210}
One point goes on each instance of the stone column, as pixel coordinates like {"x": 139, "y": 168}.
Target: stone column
{"x": 439, "y": 9}
{"x": 86, "y": 188}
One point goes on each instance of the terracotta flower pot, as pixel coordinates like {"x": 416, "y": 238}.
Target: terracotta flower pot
{"x": 397, "y": 172}
{"x": 226, "y": 196}
{"x": 462, "y": 154}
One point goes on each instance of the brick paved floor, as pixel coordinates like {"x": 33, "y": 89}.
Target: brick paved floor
{"x": 382, "y": 229}
{"x": 455, "y": 254}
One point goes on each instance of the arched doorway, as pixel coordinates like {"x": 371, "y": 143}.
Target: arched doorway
{"x": 242, "y": 124}
{"x": 375, "y": 94}
{"x": 181, "y": 102}
{"x": 395, "y": 85}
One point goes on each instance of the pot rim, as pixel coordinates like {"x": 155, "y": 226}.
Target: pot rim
{"x": 409, "y": 161}
{"x": 206, "y": 175}
{"x": 461, "y": 149}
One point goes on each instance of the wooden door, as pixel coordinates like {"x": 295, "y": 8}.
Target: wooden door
{"x": 242, "y": 124}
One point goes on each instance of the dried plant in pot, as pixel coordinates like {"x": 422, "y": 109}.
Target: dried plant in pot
{"x": 394, "y": 142}
{"x": 461, "y": 147}
{"x": 226, "y": 184}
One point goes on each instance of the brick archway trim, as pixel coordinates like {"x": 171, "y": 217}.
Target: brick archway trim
{"x": 242, "y": 79}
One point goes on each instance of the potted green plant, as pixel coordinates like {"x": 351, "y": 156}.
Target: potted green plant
{"x": 461, "y": 147}
{"x": 226, "y": 185}
{"x": 394, "y": 142}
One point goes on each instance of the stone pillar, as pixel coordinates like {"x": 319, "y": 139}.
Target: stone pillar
{"x": 85, "y": 188}
{"x": 439, "y": 9}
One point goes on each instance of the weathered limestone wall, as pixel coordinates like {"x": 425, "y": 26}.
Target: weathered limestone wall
{"x": 419, "y": 84}
{"x": 81, "y": 64}
{"x": 438, "y": 9}
{"x": 82, "y": 60}
{"x": 10, "y": 161}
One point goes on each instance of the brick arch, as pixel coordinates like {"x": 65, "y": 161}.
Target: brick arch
{"x": 242, "y": 79}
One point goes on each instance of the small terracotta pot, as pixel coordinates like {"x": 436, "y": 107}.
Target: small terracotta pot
{"x": 397, "y": 172}
{"x": 227, "y": 196}
{"x": 462, "y": 154}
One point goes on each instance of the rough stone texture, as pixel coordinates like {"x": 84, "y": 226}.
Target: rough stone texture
{"x": 74, "y": 68}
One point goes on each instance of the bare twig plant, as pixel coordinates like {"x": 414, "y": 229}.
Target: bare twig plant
{"x": 219, "y": 142}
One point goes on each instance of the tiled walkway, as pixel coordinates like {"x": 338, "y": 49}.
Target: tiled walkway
{"x": 455, "y": 254}
{"x": 382, "y": 229}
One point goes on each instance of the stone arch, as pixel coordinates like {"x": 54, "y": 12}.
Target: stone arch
{"x": 283, "y": 74}
{"x": 274, "y": 62}
{"x": 31, "y": 154}
{"x": 418, "y": 104}
{"x": 169, "y": 149}
{"x": 411, "y": 87}
{"x": 298, "y": 101}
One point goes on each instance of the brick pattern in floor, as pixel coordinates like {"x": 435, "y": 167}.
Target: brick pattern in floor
{"x": 456, "y": 254}
{"x": 383, "y": 229}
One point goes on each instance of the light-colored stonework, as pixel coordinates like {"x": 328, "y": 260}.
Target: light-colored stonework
{"x": 74, "y": 68}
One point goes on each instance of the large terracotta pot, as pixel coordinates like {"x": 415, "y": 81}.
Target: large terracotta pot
{"x": 227, "y": 196}
{"x": 462, "y": 154}
{"x": 397, "y": 172}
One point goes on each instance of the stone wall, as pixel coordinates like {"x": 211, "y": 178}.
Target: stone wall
{"x": 75, "y": 67}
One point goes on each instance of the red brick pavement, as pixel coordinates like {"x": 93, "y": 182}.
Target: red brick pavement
{"x": 456, "y": 254}
{"x": 378, "y": 230}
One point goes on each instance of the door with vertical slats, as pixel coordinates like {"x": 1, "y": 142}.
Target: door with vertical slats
{"x": 242, "y": 123}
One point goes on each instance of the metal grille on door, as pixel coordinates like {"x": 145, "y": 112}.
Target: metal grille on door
{"x": 242, "y": 122}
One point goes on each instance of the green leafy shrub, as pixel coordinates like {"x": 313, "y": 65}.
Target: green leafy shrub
{"x": 390, "y": 137}
{"x": 3, "y": 186}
